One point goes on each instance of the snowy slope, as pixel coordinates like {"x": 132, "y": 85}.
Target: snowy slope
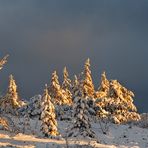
{"x": 117, "y": 136}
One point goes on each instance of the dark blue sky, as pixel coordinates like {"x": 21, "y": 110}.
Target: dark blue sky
{"x": 42, "y": 36}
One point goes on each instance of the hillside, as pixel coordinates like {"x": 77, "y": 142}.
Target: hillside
{"x": 117, "y": 136}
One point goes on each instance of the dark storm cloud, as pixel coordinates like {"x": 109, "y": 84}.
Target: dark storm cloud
{"x": 41, "y": 36}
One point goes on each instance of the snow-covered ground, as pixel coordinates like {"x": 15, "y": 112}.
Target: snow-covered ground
{"x": 117, "y": 136}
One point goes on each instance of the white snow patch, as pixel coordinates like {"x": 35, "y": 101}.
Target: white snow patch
{"x": 117, "y": 136}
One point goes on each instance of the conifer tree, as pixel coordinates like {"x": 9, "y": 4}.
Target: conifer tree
{"x": 48, "y": 117}
{"x": 86, "y": 82}
{"x": 56, "y": 92}
{"x": 103, "y": 90}
{"x": 66, "y": 85}
{"x": 75, "y": 85}
{"x": 34, "y": 106}
{"x": 76, "y": 82}
{"x": 55, "y": 89}
{"x": 12, "y": 91}
{"x": 11, "y": 101}
{"x": 66, "y": 81}
{"x": 81, "y": 122}
{"x": 3, "y": 61}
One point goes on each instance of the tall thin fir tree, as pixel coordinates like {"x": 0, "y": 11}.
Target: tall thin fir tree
{"x": 66, "y": 81}
{"x": 75, "y": 82}
{"x": 103, "y": 89}
{"x": 55, "y": 89}
{"x": 86, "y": 82}
{"x": 48, "y": 117}
{"x": 81, "y": 122}
{"x": 66, "y": 85}
{"x": 12, "y": 91}
{"x": 75, "y": 85}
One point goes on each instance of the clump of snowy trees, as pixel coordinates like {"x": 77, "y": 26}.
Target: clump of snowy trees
{"x": 75, "y": 100}
{"x": 116, "y": 102}
{"x": 59, "y": 95}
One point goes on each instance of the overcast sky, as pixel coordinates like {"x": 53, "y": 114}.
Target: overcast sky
{"x": 43, "y": 36}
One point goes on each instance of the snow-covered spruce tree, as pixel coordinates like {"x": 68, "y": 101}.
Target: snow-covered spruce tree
{"x": 3, "y": 61}
{"x": 86, "y": 82}
{"x": 11, "y": 101}
{"x": 118, "y": 104}
{"x": 66, "y": 85}
{"x": 57, "y": 94}
{"x": 103, "y": 89}
{"x": 81, "y": 122}
{"x": 75, "y": 85}
{"x": 48, "y": 117}
{"x": 34, "y": 106}
{"x": 66, "y": 81}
